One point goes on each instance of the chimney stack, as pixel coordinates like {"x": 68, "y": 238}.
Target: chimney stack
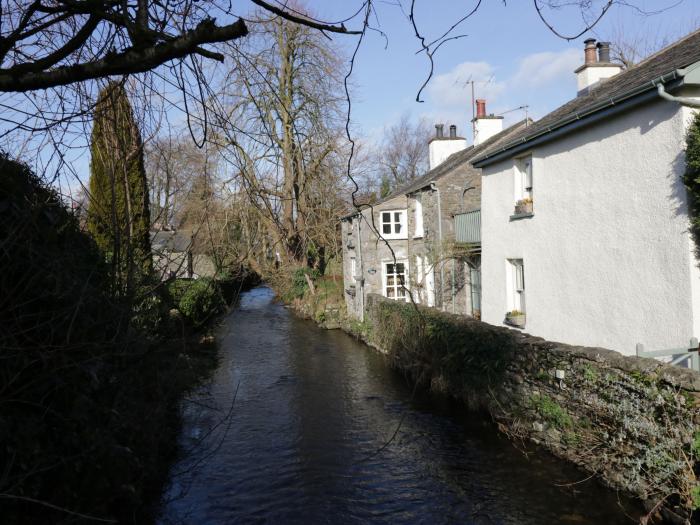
{"x": 480, "y": 108}
{"x": 596, "y": 67}
{"x": 485, "y": 126}
{"x": 441, "y": 147}
{"x": 604, "y": 52}
{"x": 590, "y": 52}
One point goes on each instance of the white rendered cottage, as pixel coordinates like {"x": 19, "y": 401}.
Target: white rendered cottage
{"x": 584, "y": 213}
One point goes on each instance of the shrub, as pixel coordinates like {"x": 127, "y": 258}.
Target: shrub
{"x": 198, "y": 300}
{"x": 299, "y": 284}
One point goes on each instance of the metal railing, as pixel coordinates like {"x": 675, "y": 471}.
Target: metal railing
{"x": 468, "y": 227}
{"x": 688, "y": 356}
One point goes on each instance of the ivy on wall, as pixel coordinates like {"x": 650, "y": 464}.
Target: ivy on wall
{"x": 691, "y": 178}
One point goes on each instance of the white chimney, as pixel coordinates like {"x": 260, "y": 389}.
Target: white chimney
{"x": 441, "y": 147}
{"x": 596, "y": 67}
{"x": 485, "y": 126}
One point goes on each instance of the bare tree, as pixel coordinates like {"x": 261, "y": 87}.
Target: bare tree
{"x": 403, "y": 152}
{"x": 629, "y": 46}
{"x": 283, "y": 128}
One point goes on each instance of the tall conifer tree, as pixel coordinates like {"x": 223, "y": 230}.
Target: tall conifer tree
{"x": 118, "y": 212}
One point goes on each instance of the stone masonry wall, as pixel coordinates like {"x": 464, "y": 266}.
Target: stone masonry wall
{"x": 632, "y": 422}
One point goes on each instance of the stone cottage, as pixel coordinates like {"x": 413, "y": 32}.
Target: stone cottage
{"x": 585, "y": 236}
{"x": 421, "y": 243}
{"x": 174, "y": 256}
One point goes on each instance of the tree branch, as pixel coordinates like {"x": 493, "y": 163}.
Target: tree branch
{"x": 303, "y": 20}
{"x": 132, "y": 60}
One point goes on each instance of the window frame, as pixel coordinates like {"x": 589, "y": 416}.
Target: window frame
{"x": 521, "y": 176}
{"x": 398, "y": 288}
{"x": 516, "y": 285}
{"x": 402, "y": 222}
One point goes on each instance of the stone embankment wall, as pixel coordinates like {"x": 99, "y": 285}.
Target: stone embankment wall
{"x": 632, "y": 422}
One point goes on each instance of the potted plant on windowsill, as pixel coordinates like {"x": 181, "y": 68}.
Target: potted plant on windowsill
{"x": 523, "y": 206}
{"x": 516, "y": 318}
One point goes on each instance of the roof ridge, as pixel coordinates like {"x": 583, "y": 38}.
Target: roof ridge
{"x": 445, "y": 166}
{"x": 635, "y": 81}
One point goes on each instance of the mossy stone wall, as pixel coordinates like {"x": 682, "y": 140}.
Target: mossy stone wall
{"x": 633, "y": 422}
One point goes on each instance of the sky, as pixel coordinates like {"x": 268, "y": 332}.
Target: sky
{"x": 514, "y": 59}
{"x": 510, "y": 54}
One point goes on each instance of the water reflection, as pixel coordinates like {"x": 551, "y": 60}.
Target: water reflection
{"x": 306, "y": 441}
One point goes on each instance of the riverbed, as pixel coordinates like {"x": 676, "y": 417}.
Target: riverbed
{"x": 304, "y": 425}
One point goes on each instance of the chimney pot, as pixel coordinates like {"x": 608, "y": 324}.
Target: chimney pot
{"x": 453, "y": 131}
{"x": 438, "y": 131}
{"x": 480, "y": 108}
{"x": 604, "y": 52}
{"x": 590, "y": 51}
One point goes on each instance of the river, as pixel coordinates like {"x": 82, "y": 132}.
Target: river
{"x": 304, "y": 425}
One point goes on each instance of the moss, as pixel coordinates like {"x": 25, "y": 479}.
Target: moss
{"x": 571, "y": 439}
{"x": 695, "y": 496}
{"x": 590, "y": 374}
{"x": 542, "y": 376}
{"x": 642, "y": 378}
{"x": 551, "y": 411}
{"x": 696, "y": 446}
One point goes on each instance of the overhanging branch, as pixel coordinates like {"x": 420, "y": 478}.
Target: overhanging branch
{"x": 132, "y": 60}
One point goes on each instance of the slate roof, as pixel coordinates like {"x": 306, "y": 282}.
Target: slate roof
{"x": 171, "y": 241}
{"x": 457, "y": 159}
{"x": 637, "y": 79}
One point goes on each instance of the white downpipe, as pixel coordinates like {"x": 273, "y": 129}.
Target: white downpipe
{"x": 442, "y": 266}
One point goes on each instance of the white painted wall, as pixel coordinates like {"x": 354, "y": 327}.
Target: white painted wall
{"x": 607, "y": 255}
{"x": 485, "y": 128}
{"x": 588, "y": 75}
{"x": 440, "y": 149}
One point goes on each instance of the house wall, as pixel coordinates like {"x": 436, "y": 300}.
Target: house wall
{"x": 451, "y": 275}
{"x": 448, "y": 288}
{"x": 607, "y": 256}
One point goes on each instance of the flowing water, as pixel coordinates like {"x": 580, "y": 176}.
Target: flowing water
{"x": 304, "y": 425}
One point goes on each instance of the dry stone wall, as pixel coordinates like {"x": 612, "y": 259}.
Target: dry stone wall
{"x": 632, "y": 422}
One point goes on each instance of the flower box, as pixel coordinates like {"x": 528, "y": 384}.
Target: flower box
{"x": 523, "y": 207}
{"x": 515, "y": 318}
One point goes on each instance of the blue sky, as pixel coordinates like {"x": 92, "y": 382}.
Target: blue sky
{"x": 508, "y": 51}
{"x": 512, "y": 55}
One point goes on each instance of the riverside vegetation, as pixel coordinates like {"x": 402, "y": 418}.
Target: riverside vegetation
{"x": 90, "y": 383}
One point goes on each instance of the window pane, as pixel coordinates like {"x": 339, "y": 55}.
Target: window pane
{"x": 386, "y": 217}
{"x": 401, "y": 280}
{"x": 390, "y": 292}
{"x": 400, "y": 292}
{"x": 389, "y": 269}
{"x": 390, "y": 280}
{"x": 519, "y": 277}
{"x": 399, "y": 268}
{"x": 397, "y": 227}
{"x": 397, "y": 216}
{"x": 386, "y": 228}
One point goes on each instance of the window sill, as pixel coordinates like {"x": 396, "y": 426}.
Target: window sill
{"x": 418, "y": 236}
{"x": 513, "y": 325}
{"x": 518, "y": 216}
{"x": 393, "y": 238}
